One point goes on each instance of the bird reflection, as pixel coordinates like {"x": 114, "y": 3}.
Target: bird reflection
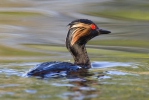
{"x": 83, "y": 88}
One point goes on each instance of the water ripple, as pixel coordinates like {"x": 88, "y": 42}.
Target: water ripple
{"x": 59, "y": 85}
{"x": 106, "y": 64}
{"x": 8, "y": 85}
{"x": 30, "y": 91}
{"x": 118, "y": 73}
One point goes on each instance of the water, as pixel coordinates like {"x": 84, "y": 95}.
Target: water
{"x": 34, "y": 31}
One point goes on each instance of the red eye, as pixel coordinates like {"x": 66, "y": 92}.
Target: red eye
{"x": 93, "y": 26}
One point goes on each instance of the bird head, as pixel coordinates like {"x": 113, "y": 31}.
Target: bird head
{"x": 82, "y": 30}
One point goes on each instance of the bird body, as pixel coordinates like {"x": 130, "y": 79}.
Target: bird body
{"x": 80, "y": 32}
{"x": 46, "y": 68}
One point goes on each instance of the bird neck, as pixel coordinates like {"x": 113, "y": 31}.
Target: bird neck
{"x": 80, "y": 55}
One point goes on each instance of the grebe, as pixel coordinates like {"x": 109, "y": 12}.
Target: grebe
{"x": 80, "y": 32}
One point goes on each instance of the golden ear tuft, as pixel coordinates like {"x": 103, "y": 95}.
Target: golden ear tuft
{"x": 80, "y": 32}
{"x": 76, "y": 35}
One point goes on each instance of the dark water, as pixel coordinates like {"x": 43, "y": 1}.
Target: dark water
{"x": 34, "y": 31}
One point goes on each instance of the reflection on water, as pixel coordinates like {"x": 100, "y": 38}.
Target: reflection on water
{"x": 83, "y": 90}
{"x": 34, "y": 31}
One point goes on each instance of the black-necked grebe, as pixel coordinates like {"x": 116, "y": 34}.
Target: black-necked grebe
{"x": 80, "y": 32}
